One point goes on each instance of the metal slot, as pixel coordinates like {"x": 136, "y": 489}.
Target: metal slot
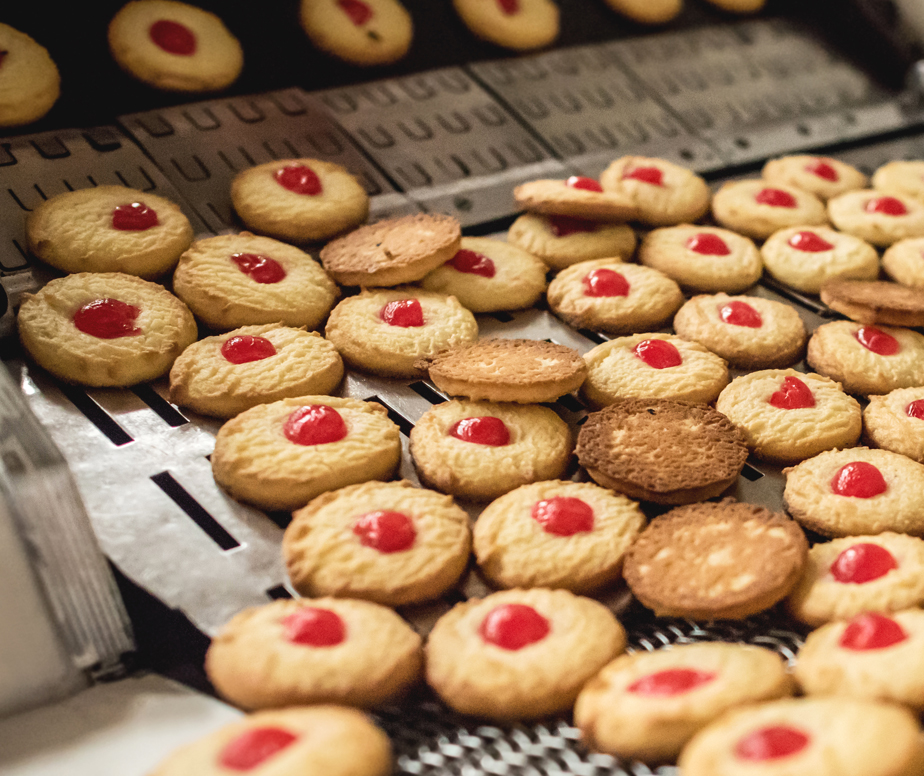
{"x": 750, "y": 473}
{"x": 167, "y": 412}
{"x": 394, "y": 416}
{"x": 96, "y": 415}
{"x": 181, "y": 497}
{"x": 278, "y": 592}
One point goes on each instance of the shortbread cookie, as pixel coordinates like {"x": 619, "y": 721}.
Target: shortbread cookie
{"x": 242, "y": 279}
{"x": 302, "y": 652}
{"x": 805, "y": 257}
{"x": 489, "y": 276}
{"x": 29, "y": 80}
{"x": 227, "y": 374}
{"x": 481, "y": 450}
{"x": 361, "y": 32}
{"x": 904, "y": 262}
{"x": 653, "y": 366}
{"x": 520, "y": 654}
{"x": 895, "y": 422}
{"x": 855, "y": 574}
{"x": 662, "y": 451}
{"x": 556, "y": 534}
{"x": 514, "y": 24}
{"x": 307, "y": 741}
{"x": 821, "y": 175}
{"x": 875, "y": 301}
{"x": 387, "y": 331}
{"x": 389, "y": 253}
{"x": 867, "y": 359}
{"x": 174, "y": 46}
{"x": 903, "y": 177}
{"x": 747, "y": 331}
{"x": 299, "y": 200}
{"x": 703, "y": 258}
{"x": 880, "y": 219}
{"x": 787, "y": 416}
{"x": 560, "y": 241}
{"x": 739, "y": 6}
{"x": 279, "y": 456}
{"x": 109, "y": 229}
{"x": 647, "y": 705}
{"x": 757, "y": 209}
{"x": 104, "y": 329}
{"x": 663, "y": 193}
{"x": 388, "y": 542}
{"x": 577, "y": 197}
{"x": 647, "y": 11}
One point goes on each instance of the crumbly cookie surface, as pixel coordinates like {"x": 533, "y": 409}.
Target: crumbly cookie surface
{"x": 362, "y": 32}
{"x": 880, "y": 219}
{"x": 662, "y": 192}
{"x": 557, "y": 197}
{"x": 524, "y": 25}
{"x": 875, "y": 301}
{"x": 29, "y": 79}
{"x": 561, "y": 241}
{"x": 821, "y": 175}
{"x": 895, "y": 421}
{"x": 904, "y": 262}
{"x": 757, "y": 209}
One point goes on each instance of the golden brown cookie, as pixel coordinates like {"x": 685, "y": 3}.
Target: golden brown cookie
{"x": 880, "y": 219}
{"x": 515, "y": 24}
{"x": 821, "y": 175}
{"x": 757, "y": 209}
{"x": 904, "y": 262}
{"x": 29, "y": 80}
{"x": 875, "y": 302}
{"x": 904, "y": 177}
{"x": 560, "y": 241}
{"x": 577, "y": 197}
{"x": 895, "y": 422}
{"x": 739, "y": 6}
{"x": 362, "y": 32}
{"x": 647, "y": 11}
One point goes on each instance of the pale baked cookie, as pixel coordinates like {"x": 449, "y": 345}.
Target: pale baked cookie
{"x": 308, "y": 741}
{"x": 489, "y": 276}
{"x": 757, "y": 208}
{"x": 299, "y": 200}
{"x": 787, "y": 416}
{"x": 662, "y": 451}
{"x": 362, "y": 32}
{"x": 281, "y": 455}
{"x": 867, "y": 359}
{"x": 647, "y": 705}
{"x": 481, "y": 450}
{"x": 663, "y": 193}
{"x": 229, "y": 373}
{"x": 29, "y": 80}
{"x": 104, "y": 329}
{"x": 702, "y": 258}
{"x": 895, "y": 422}
{"x": 560, "y": 241}
{"x": 880, "y": 219}
{"x": 513, "y": 24}
{"x": 805, "y": 257}
{"x": 109, "y": 229}
{"x": 388, "y": 542}
{"x": 875, "y": 301}
{"x": 903, "y": 177}
{"x": 556, "y": 534}
{"x": 242, "y": 279}
{"x": 747, "y": 331}
{"x": 578, "y": 197}
{"x": 821, "y": 175}
{"x": 302, "y": 652}
{"x": 174, "y": 46}
{"x": 855, "y": 574}
{"x": 653, "y": 366}
{"x": 647, "y": 11}
{"x": 739, "y": 6}
{"x": 520, "y": 654}
{"x": 904, "y": 262}
{"x": 386, "y": 331}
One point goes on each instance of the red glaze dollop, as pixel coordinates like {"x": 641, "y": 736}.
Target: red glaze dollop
{"x": 605, "y": 282}
{"x": 793, "y": 394}
{"x": 564, "y": 516}
{"x": 358, "y": 11}
{"x": 513, "y": 626}
{"x": 771, "y": 743}
{"x": 658, "y": 354}
{"x": 108, "y": 319}
{"x": 299, "y": 179}
{"x": 672, "y": 681}
{"x": 915, "y": 409}
{"x": 315, "y": 424}
{"x": 587, "y": 184}
{"x": 809, "y": 242}
{"x": 651, "y": 175}
{"x": 562, "y": 226}
{"x": 863, "y": 562}
{"x": 385, "y": 531}
{"x": 314, "y": 627}
{"x": 173, "y": 37}
{"x": 738, "y": 313}
{"x": 858, "y": 479}
{"x": 253, "y": 747}
{"x": 134, "y": 217}
{"x": 707, "y": 244}
{"x": 405, "y": 313}
{"x": 775, "y": 198}
{"x": 886, "y": 206}
{"x": 877, "y": 341}
{"x": 260, "y": 269}
{"x": 871, "y": 630}
{"x": 473, "y": 263}
{"x": 486, "y": 430}
{"x": 509, "y": 7}
{"x": 245, "y": 348}
{"x": 822, "y": 169}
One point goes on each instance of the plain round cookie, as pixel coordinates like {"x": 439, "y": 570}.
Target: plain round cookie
{"x": 544, "y": 645}
{"x": 279, "y": 456}
{"x": 226, "y": 374}
{"x": 563, "y": 198}
{"x": 749, "y": 332}
{"x": 809, "y": 414}
{"x": 174, "y": 46}
{"x": 243, "y": 279}
{"x": 29, "y": 79}
{"x": 522, "y": 25}
{"x": 880, "y": 219}
{"x": 738, "y": 6}
{"x": 647, "y": 705}
{"x": 556, "y": 534}
{"x": 756, "y": 208}
{"x": 299, "y": 200}
{"x": 875, "y": 301}
{"x": 387, "y": 331}
{"x": 904, "y": 262}
{"x": 559, "y": 241}
{"x": 109, "y": 229}
{"x": 104, "y": 329}
{"x": 388, "y": 542}
{"x": 895, "y": 421}
{"x": 902, "y": 176}
{"x": 821, "y": 175}
{"x": 481, "y": 450}
{"x": 364, "y": 32}
{"x": 307, "y": 651}
{"x": 647, "y": 11}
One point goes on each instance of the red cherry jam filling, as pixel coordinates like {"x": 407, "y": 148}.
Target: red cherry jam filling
{"x": 871, "y": 630}
{"x": 386, "y": 531}
{"x": 260, "y": 269}
{"x": 858, "y": 479}
{"x": 739, "y": 313}
{"x": 245, "y": 348}
{"x": 134, "y": 217}
{"x": 877, "y": 341}
{"x": 562, "y": 226}
{"x": 358, "y": 11}
{"x": 658, "y": 354}
{"x": 673, "y": 681}
{"x": 863, "y": 563}
{"x": 299, "y": 179}
{"x": 886, "y": 206}
{"x": 509, "y": 7}
{"x": 915, "y": 409}
{"x": 651, "y": 175}
{"x": 173, "y": 37}
{"x": 771, "y": 743}
{"x": 514, "y": 626}
{"x": 486, "y": 430}
{"x": 406, "y": 313}
{"x": 473, "y": 263}
{"x": 707, "y": 244}
{"x": 313, "y": 627}
{"x": 564, "y": 516}
{"x": 253, "y": 747}
{"x": 107, "y": 319}
{"x": 605, "y": 282}
{"x": 809, "y": 242}
{"x": 822, "y": 169}
{"x": 316, "y": 424}
{"x": 775, "y": 198}
{"x": 587, "y": 184}
{"x": 793, "y": 394}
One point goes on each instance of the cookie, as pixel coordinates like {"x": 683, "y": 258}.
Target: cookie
{"x": 29, "y": 80}
{"x": 867, "y": 359}
{"x": 279, "y": 456}
{"x": 560, "y": 241}
{"x": 875, "y": 302}
{"x": 109, "y": 229}
{"x": 821, "y": 175}
{"x": 895, "y": 422}
{"x": 904, "y": 262}
{"x": 787, "y": 416}
{"x": 556, "y": 534}
{"x": 806, "y": 258}
{"x": 757, "y": 209}
{"x": 481, "y": 450}
{"x": 104, "y": 329}
{"x": 388, "y": 542}
{"x": 242, "y": 279}
{"x": 303, "y": 652}
{"x": 880, "y": 219}
{"x": 387, "y": 331}
{"x": 647, "y": 11}
{"x": 520, "y": 654}
{"x": 361, "y": 32}
{"x": 749, "y": 332}
{"x": 514, "y": 24}
{"x": 577, "y": 197}
{"x": 704, "y": 259}
{"x": 739, "y": 6}
{"x": 612, "y": 296}
{"x": 653, "y": 366}
{"x": 174, "y": 46}
{"x": 647, "y": 705}
{"x": 224, "y": 375}
{"x": 903, "y": 177}
{"x": 661, "y": 451}
{"x": 389, "y": 253}
{"x": 299, "y": 200}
